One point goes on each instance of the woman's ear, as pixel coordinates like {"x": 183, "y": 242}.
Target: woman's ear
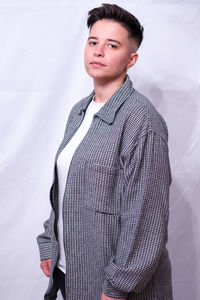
{"x": 132, "y": 60}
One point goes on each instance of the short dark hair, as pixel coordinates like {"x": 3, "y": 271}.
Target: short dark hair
{"x": 120, "y": 15}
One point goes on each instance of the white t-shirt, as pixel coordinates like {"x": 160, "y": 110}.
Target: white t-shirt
{"x": 63, "y": 164}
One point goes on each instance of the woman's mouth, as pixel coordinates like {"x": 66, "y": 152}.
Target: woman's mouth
{"x": 97, "y": 64}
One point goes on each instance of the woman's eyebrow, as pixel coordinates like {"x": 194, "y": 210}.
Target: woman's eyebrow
{"x": 110, "y": 40}
{"x": 92, "y": 37}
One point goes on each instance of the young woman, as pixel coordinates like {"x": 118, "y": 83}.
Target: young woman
{"x": 107, "y": 233}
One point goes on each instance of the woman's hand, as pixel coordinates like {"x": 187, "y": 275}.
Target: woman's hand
{"x": 104, "y": 297}
{"x": 45, "y": 265}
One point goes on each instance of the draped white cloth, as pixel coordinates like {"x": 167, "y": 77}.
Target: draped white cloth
{"x": 42, "y": 76}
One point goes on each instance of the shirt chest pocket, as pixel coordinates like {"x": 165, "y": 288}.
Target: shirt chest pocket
{"x": 101, "y": 188}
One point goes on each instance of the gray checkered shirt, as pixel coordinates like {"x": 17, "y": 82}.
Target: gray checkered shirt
{"x": 116, "y": 203}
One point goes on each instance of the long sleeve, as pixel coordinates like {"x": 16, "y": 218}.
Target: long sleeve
{"x": 144, "y": 217}
{"x": 44, "y": 239}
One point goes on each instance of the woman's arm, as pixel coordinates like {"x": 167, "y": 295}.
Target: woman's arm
{"x": 44, "y": 239}
{"x": 144, "y": 217}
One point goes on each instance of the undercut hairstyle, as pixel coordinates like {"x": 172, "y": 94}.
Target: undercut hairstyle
{"x": 120, "y": 15}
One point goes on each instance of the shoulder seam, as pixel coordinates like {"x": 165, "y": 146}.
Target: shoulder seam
{"x": 149, "y": 130}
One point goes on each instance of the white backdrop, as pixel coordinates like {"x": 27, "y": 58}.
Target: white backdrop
{"x": 42, "y": 76}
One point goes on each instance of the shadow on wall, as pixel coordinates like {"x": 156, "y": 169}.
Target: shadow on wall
{"x": 180, "y": 110}
{"x": 182, "y": 246}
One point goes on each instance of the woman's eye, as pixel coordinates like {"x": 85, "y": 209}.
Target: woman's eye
{"x": 92, "y": 43}
{"x": 112, "y": 46}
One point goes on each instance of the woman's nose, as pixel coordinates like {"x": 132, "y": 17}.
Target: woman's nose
{"x": 99, "y": 51}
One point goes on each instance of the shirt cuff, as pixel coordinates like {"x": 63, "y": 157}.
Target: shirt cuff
{"x": 45, "y": 251}
{"x": 112, "y": 292}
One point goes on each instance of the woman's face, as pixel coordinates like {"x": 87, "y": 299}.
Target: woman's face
{"x": 109, "y": 51}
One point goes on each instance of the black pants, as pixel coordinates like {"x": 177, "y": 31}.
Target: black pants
{"x": 59, "y": 284}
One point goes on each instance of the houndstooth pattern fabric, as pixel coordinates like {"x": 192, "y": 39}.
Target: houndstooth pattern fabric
{"x": 116, "y": 203}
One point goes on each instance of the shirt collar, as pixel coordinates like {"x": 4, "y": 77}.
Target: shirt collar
{"x": 109, "y": 109}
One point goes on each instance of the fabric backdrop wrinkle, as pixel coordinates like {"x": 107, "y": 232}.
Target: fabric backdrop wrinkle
{"x": 42, "y": 76}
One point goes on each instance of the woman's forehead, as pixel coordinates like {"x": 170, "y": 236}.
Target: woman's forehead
{"x": 108, "y": 29}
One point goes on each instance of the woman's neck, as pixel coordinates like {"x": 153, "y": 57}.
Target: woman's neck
{"x": 105, "y": 89}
